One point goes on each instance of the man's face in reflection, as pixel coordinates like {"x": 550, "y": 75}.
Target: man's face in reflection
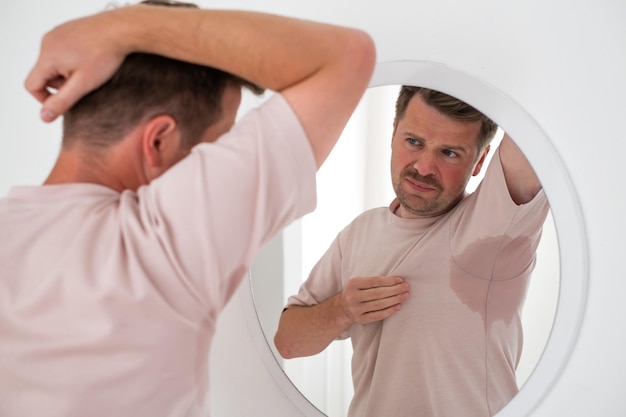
{"x": 432, "y": 159}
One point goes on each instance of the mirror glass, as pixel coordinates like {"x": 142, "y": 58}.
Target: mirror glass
{"x": 356, "y": 177}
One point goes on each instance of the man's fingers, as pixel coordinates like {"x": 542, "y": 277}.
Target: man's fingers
{"x": 377, "y": 315}
{"x": 39, "y": 84}
{"x": 56, "y": 83}
{"x": 379, "y": 293}
{"x": 60, "y": 85}
{"x": 68, "y": 92}
{"x": 363, "y": 295}
{"x": 36, "y": 82}
{"x": 364, "y": 283}
{"x": 372, "y": 304}
{"x": 384, "y": 303}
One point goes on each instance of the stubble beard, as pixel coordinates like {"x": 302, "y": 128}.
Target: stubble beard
{"x": 419, "y": 206}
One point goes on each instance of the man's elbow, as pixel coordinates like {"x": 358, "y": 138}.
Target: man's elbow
{"x": 287, "y": 339}
{"x": 363, "y": 50}
{"x": 285, "y": 349}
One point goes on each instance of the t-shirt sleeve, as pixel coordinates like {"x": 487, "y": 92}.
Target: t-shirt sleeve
{"x": 324, "y": 281}
{"x": 490, "y": 235}
{"x": 214, "y": 209}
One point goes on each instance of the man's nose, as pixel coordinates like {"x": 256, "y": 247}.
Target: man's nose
{"x": 425, "y": 163}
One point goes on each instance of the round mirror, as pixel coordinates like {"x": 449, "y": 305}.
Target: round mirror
{"x": 356, "y": 177}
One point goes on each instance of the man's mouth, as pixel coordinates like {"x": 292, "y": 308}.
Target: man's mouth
{"x": 420, "y": 183}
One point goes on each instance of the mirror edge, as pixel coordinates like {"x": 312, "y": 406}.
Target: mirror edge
{"x": 253, "y": 323}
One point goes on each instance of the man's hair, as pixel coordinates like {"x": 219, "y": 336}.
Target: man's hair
{"x": 451, "y": 107}
{"x": 146, "y": 86}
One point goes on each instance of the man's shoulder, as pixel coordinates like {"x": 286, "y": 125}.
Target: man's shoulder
{"x": 366, "y": 222}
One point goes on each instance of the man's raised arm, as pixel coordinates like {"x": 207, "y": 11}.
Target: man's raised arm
{"x": 521, "y": 180}
{"x": 322, "y": 70}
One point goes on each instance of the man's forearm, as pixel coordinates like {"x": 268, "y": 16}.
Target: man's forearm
{"x": 306, "y": 331}
{"x": 248, "y": 44}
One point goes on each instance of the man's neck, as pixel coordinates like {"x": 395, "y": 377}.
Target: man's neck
{"x": 72, "y": 166}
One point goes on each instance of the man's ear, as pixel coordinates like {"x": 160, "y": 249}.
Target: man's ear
{"x": 160, "y": 142}
{"x": 480, "y": 163}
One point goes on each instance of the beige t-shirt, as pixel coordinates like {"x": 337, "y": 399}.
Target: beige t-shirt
{"x": 108, "y": 301}
{"x": 452, "y": 349}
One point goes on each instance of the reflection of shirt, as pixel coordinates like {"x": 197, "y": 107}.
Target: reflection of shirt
{"x": 108, "y": 301}
{"x": 453, "y": 347}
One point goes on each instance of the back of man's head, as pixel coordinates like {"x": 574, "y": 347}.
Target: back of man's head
{"x": 146, "y": 86}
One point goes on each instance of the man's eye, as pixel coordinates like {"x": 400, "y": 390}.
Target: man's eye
{"x": 449, "y": 153}
{"x": 412, "y": 141}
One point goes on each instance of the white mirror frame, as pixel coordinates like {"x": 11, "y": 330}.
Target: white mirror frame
{"x": 568, "y": 219}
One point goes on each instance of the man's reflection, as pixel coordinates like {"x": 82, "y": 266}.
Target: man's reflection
{"x": 430, "y": 289}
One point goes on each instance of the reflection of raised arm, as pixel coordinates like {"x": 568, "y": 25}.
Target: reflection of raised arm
{"x": 305, "y": 331}
{"x": 322, "y": 70}
{"x": 520, "y": 177}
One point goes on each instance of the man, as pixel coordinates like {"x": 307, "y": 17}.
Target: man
{"x": 430, "y": 289}
{"x": 112, "y": 273}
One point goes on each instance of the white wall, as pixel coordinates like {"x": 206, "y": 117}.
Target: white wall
{"x": 562, "y": 62}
